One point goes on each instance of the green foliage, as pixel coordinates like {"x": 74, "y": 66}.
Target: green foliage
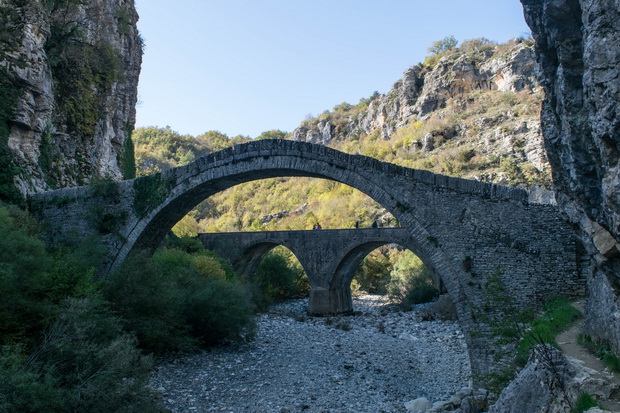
{"x": 60, "y": 349}
{"x": 504, "y": 324}
{"x": 411, "y": 282}
{"x": 175, "y": 300}
{"x": 499, "y": 312}
{"x": 8, "y": 170}
{"x": 558, "y": 316}
{"x": 186, "y": 227}
{"x": 149, "y": 192}
{"x": 373, "y": 274}
{"x": 443, "y": 45}
{"x": 85, "y": 363}
{"x": 10, "y": 33}
{"x": 515, "y": 332}
{"x": 83, "y": 73}
{"x": 220, "y": 311}
{"x": 364, "y": 102}
{"x": 128, "y": 158}
{"x": 83, "y": 76}
{"x": 272, "y": 134}
{"x": 279, "y": 276}
{"x": 476, "y": 46}
{"x": 584, "y": 402}
{"x": 157, "y": 149}
{"x": 438, "y": 49}
{"x": 123, "y": 19}
{"x": 602, "y": 351}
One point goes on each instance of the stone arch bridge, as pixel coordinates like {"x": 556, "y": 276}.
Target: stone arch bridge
{"x": 463, "y": 230}
{"x": 329, "y": 257}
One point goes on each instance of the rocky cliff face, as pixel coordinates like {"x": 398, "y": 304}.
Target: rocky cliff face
{"x": 452, "y": 93}
{"x": 73, "y": 68}
{"x": 577, "y": 44}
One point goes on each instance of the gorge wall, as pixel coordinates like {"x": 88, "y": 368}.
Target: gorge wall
{"x": 70, "y": 72}
{"x": 437, "y": 107}
{"x": 423, "y": 90}
{"x": 577, "y": 46}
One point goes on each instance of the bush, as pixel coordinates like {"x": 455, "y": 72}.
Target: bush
{"x": 179, "y": 301}
{"x": 279, "y": 276}
{"x": 221, "y": 311}
{"x": 411, "y": 282}
{"x": 373, "y": 274}
{"x": 558, "y": 316}
{"x": 60, "y": 349}
{"x": 150, "y": 302}
{"x": 602, "y": 351}
{"x": 33, "y": 281}
{"x": 84, "y": 363}
{"x": 584, "y": 402}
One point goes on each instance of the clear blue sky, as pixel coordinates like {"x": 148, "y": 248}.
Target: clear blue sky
{"x": 246, "y": 66}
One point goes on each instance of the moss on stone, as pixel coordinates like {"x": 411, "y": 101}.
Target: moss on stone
{"x": 8, "y": 169}
{"x": 149, "y": 192}
{"x": 127, "y": 158}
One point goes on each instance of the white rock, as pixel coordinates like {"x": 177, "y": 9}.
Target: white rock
{"x": 419, "y": 405}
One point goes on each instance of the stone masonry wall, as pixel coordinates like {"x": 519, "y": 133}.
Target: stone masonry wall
{"x": 463, "y": 230}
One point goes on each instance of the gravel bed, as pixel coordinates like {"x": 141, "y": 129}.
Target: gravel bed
{"x": 372, "y": 361}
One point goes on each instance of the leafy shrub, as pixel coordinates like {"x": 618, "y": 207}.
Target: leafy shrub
{"x": 373, "y": 274}
{"x": 411, "y": 282}
{"x": 279, "y": 276}
{"x": 438, "y": 49}
{"x": 33, "y": 282}
{"x": 150, "y": 302}
{"x": 219, "y": 312}
{"x": 602, "y": 351}
{"x": 85, "y": 363}
{"x": 559, "y": 314}
{"x": 175, "y": 300}
{"x": 584, "y": 402}
{"x": 60, "y": 349}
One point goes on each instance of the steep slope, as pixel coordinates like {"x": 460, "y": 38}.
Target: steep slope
{"x": 70, "y": 69}
{"x": 475, "y": 114}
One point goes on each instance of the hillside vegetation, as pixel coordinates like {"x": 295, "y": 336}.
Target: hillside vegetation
{"x": 470, "y": 111}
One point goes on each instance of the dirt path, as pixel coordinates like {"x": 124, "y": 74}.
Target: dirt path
{"x": 569, "y": 346}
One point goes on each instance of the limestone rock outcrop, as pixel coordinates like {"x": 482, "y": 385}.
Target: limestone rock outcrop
{"x": 422, "y": 90}
{"x": 75, "y": 68}
{"x": 550, "y": 383}
{"x": 577, "y": 46}
{"x": 455, "y": 85}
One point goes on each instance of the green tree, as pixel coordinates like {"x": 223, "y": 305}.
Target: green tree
{"x": 272, "y": 134}
{"x": 443, "y": 45}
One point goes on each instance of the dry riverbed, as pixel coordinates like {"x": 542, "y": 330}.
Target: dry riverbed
{"x": 373, "y": 361}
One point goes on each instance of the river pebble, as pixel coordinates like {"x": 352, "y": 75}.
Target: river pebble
{"x": 373, "y": 361}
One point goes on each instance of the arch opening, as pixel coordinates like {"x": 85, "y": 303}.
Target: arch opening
{"x": 396, "y": 272}
{"x": 279, "y": 276}
{"x": 285, "y": 204}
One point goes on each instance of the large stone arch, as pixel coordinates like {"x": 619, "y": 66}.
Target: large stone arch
{"x": 451, "y": 221}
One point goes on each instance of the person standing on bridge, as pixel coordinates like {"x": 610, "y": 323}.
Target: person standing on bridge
{"x": 374, "y": 224}
{"x": 318, "y": 226}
